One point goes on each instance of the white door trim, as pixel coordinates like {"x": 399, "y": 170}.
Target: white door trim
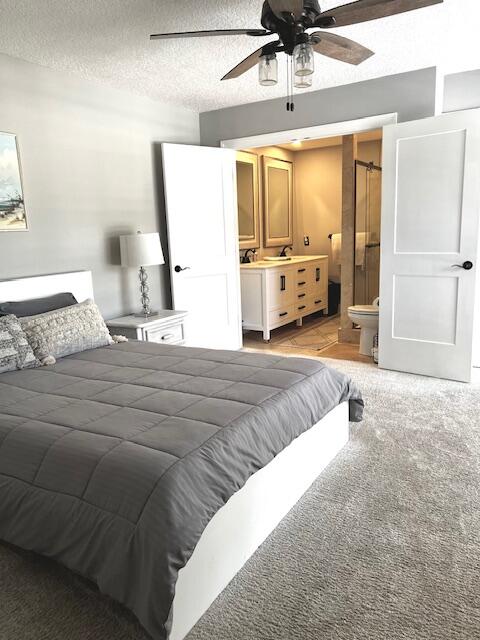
{"x": 312, "y": 133}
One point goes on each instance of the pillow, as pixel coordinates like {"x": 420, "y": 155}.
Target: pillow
{"x": 65, "y": 331}
{"x": 33, "y": 307}
{"x": 15, "y": 352}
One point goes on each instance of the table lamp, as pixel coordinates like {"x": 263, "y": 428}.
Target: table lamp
{"x": 141, "y": 250}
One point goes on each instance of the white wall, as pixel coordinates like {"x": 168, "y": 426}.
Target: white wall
{"x": 412, "y": 95}
{"x": 462, "y": 91}
{"x": 90, "y": 173}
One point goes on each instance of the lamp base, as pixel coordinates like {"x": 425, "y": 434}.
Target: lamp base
{"x": 142, "y": 314}
{"x": 144, "y": 291}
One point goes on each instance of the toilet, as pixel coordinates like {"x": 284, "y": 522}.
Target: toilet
{"x": 366, "y": 317}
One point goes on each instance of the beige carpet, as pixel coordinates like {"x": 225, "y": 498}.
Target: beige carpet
{"x": 384, "y": 546}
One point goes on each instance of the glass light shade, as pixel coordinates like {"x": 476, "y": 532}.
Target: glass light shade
{"x": 268, "y": 70}
{"x": 303, "y": 59}
{"x": 303, "y": 82}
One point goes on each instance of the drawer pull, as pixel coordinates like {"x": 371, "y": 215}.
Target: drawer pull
{"x": 301, "y": 270}
{"x": 300, "y": 284}
{"x": 317, "y": 274}
{"x": 302, "y": 307}
{"x": 317, "y": 301}
{"x": 168, "y": 336}
{"x": 285, "y": 313}
{"x": 282, "y": 283}
{"x": 302, "y": 295}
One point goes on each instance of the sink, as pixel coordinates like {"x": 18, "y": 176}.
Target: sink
{"x": 277, "y": 258}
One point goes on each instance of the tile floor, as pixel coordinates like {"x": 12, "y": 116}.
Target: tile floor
{"x": 317, "y": 337}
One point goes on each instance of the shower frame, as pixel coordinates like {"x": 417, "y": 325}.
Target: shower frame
{"x": 369, "y": 166}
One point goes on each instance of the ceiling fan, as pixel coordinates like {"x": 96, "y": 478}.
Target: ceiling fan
{"x": 292, "y": 21}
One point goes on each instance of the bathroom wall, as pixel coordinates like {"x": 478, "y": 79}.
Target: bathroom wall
{"x": 318, "y": 200}
{"x": 318, "y": 196}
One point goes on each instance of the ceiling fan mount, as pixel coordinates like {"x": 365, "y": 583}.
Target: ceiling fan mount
{"x": 291, "y": 20}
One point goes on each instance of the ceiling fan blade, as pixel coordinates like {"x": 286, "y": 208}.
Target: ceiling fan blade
{"x": 340, "y": 48}
{"x": 216, "y": 32}
{"x": 251, "y": 60}
{"x": 282, "y": 7}
{"x": 364, "y": 10}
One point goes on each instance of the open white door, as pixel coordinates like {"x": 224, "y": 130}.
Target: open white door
{"x": 430, "y": 227}
{"x": 201, "y": 206}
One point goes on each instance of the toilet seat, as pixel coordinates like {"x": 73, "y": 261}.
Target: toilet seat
{"x": 364, "y": 309}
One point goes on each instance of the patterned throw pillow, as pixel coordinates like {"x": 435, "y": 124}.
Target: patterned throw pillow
{"x": 15, "y": 352}
{"x": 65, "y": 331}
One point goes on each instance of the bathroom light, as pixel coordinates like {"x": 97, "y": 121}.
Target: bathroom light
{"x": 303, "y": 59}
{"x": 296, "y": 143}
{"x": 268, "y": 70}
{"x": 303, "y": 82}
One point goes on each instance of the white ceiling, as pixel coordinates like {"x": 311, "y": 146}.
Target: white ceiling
{"x": 108, "y": 40}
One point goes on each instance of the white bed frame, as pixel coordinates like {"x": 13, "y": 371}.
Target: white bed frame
{"x": 251, "y": 514}
{"x": 77, "y": 282}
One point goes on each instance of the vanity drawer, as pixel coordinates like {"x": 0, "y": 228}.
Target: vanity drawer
{"x": 166, "y": 335}
{"x": 282, "y": 315}
{"x": 303, "y": 278}
{"x": 317, "y": 302}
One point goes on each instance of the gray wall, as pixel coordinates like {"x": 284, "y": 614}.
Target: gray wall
{"x": 462, "y": 91}
{"x": 411, "y": 95}
{"x": 90, "y": 173}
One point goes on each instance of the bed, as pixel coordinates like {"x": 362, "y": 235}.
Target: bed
{"x": 158, "y": 470}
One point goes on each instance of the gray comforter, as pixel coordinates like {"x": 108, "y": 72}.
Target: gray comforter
{"x": 114, "y": 460}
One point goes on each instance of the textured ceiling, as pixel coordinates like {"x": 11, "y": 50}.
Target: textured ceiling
{"x": 108, "y": 40}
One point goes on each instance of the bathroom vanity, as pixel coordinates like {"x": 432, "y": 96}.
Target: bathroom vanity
{"x": 276, "y": 293}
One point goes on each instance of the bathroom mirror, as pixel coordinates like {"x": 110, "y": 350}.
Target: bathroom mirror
{"x": 278, "y": 201}
{"x": 247, "y": 198}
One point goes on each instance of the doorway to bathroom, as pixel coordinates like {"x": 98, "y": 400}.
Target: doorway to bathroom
{"x": 293, "y": 205}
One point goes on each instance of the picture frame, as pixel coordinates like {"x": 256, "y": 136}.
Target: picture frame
{"x": 13, "y": 216}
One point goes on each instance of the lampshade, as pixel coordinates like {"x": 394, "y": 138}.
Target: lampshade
{"x": 141, "y": 250}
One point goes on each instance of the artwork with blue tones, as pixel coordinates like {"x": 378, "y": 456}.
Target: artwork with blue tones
{"x": 12, "y": 206}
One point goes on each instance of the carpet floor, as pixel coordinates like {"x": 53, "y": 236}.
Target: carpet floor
{"x": 384, "y": 546}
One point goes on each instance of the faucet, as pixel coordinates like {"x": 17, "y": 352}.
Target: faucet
{"x": 245, "y": 259}
{"x": 283, "y": 252}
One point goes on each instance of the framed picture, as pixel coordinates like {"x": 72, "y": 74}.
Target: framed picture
{"x": 12, "y": 206}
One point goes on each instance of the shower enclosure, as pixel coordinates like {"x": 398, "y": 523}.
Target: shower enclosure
{"x": 368, "y": 194}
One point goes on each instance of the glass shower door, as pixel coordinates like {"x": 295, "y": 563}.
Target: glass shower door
{"x": 368, "y": 204}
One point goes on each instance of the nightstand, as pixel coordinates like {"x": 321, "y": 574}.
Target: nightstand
{"x": 165, "y": 327}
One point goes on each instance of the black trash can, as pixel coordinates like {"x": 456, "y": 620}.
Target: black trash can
{"x": 333, "y": 297}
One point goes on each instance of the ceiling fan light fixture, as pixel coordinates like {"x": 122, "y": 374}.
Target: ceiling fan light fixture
{"x": 303, "y": 59}
{"x": 303, "y": 82}
{"x": 268, "y": 70}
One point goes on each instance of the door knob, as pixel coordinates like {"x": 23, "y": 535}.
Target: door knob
{"x": 178, "y": 268}
{"x": 467, "y": 265}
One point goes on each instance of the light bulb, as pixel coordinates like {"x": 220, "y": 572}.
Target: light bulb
{"x": 303, "y": 59}
{"x": 268, "y": 70}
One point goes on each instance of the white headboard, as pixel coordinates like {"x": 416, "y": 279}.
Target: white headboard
{"x": 77, "y": 282}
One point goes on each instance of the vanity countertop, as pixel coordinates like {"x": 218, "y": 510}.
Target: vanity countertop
{"x": 274, "y": 264}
